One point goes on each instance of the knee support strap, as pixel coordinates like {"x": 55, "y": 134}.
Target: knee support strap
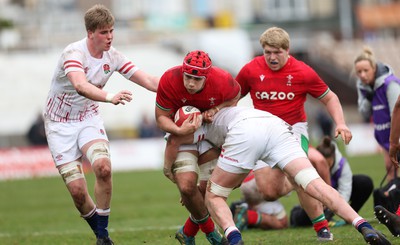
{"x": 206, "y": 169}
{"x": 98, "y": 150}
{"x": 305, "y": 176}
{"x": 218, "y": 190}
{"x": 185, "y": 162}
{"x": 71, "y": 171}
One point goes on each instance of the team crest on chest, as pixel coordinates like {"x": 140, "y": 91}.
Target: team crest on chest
{"x": 212, "y": 101}
{"x": 289, "y": 80}
{"x": 262, "y": 77}
{"x": 106, "y": 68}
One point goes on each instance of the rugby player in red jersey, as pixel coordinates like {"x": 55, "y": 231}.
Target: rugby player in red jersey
{"x": 200, "y": 84}
{"x": 279, "y": 83}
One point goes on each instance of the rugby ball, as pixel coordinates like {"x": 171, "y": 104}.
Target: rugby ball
{"x": 184, "y": 112}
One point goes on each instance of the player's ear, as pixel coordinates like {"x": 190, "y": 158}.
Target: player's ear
{"x": 90, "y": 34}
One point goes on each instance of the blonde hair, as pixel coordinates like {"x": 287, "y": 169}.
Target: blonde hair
{"x": 97, "y": 17}
{"x": 275, "y": 37}
{"x": 367, "y": 55}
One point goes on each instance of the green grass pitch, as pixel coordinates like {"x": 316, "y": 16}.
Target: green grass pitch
{"x": 145, "y": 210}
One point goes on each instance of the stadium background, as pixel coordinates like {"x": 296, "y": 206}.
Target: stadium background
{"x": 155, "y": 34}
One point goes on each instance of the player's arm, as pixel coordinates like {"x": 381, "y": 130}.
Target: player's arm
{"x": 231, "y": 102}
{"x": 88, "y": 90}
{"x": 394, "y": 138}
{"x": 332, "y": 104}
{"x": 145, "y": 80}
{"x": 209, "y": 114}
{"x": 165, "y": 123}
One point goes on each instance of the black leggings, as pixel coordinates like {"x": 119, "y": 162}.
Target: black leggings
{"x": 361, "y": 190}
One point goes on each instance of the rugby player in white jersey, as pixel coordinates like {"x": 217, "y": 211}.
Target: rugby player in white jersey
{"x": 246, "y": 135}
{"x": 74, "y": 128}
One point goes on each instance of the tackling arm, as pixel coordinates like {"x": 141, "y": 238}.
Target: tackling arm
{"x": 88, "y": 90}
{"x": 145, "y": 80}
{"x": 209, "y": 114}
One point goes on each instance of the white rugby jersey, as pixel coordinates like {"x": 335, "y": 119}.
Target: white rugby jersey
{"x": 64, "y": 104}
{"x": 227, "y": 117}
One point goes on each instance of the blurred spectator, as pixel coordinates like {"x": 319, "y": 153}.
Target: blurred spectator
{"x": 377, "y": 89}
{"x": 36, "y": 134}
{"x": 148, "y": 128}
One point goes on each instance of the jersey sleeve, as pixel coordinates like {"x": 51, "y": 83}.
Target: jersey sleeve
{"x": 226, "y": 86}
{"x": 317, "y": 88}
{"x": 72, "y": 60}
{"x": 233, "y": 89}
{"x": 162, "y": 98}
{"x": 242, "y": 81}
{"x": 123, "y": 65}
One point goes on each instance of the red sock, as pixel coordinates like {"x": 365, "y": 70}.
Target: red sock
{"x": 207, "y": 226}
{"x": 252, "y": 217}
{"x": 398, "y": 211}
{"x": 319, "y": 225}
{"x": 190, "y": 228}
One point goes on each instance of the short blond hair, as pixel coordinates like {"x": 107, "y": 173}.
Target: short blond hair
{"x": 97, "y": 17}
{"x": 275, "y": 37}
{"x": 367, "y": 55}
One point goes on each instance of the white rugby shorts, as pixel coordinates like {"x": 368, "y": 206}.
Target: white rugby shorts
{"x": 300, "y": 131}
{"x": 65, "y": 140}
{"x": 253, "y": 139}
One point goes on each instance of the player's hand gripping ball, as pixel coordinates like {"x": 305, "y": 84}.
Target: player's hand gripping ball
{"x": 184, "y": 112}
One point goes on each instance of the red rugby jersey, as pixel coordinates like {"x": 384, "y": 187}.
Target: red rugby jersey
{"x": 282, "y": 93}
{"x": 219, "y": 86}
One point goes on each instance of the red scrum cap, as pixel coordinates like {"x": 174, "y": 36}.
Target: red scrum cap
{"x": 196, "y": 63}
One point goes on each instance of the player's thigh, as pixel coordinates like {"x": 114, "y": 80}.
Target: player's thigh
{"x": 270, "y": 182}
{"x": 62, "y": 140}
{"x": 186, "y": 160}
{"x": 250, "y": 192}
{"x": 227, "y": 179}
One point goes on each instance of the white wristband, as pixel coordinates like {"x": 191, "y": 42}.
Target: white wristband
{"x": 109, "y": 97}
